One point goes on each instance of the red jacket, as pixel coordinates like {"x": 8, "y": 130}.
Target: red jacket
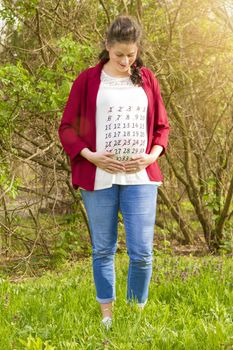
{"x": 78, "y": 126}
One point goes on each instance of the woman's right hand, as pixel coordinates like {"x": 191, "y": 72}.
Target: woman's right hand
{"x": 103, "y": 160}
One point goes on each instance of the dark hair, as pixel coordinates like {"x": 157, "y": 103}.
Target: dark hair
{"x": 125, "y": 29}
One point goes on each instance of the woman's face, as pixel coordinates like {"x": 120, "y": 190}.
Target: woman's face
{"x": 122, "y": 56}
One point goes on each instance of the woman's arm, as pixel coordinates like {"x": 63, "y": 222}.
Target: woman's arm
{"x": 68, "y": 129}
{"x": 161, "y": 124}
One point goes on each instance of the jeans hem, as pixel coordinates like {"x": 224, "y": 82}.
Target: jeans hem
{"x": 132, "y": 301}
{"x": 105, "y": 301}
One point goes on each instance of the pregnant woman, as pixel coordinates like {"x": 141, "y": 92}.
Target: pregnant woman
{"x": 114, "y": 128}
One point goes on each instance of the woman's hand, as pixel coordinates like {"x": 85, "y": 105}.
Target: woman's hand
{"x": 139, "y": 162}
{"x": 103, "y": 160}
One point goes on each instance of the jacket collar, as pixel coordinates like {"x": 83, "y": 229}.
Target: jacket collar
{"x": 96, "y": 70}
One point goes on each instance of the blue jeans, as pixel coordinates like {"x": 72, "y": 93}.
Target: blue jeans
{"x": 137, "y": 204}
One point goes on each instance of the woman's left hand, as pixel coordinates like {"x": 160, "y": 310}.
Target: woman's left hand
{"x": 139, "y": 162}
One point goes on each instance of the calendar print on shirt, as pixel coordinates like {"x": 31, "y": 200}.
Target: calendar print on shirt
{"x": 125, "y": 130}
{"x": 121, "y": 128}
{"x": 121, "y": 117}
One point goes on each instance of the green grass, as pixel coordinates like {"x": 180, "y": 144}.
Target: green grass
{"x": 190, "y": 307}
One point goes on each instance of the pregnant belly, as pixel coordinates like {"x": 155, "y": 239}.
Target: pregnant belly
{"x": 125, "y": 148}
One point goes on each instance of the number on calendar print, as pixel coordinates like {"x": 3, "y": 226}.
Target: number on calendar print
{"x": 124, "y": 158}
{"x": 117, "y": 150}
{"x": 126, "y": 151}
{"x": 135, "y": 133}
{"x": 126, "y": 125}
{"x": 134, "y": 151}
{"x": 110, "y": 109}
{"x": 116, "y": 134}
{"x": 142, "y": 143}
{"x": 135, "y": 142}
{"x": 126, "y": 133}
{"x": 117, "y": 143}
{"x": 108, "y": 144}
{"x": 108, "y": 127}
{"x": 108, "y": 135}
{"x": 126, "y": 142}
{"x": 117, "y": 125}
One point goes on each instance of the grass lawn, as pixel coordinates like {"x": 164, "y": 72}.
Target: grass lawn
{"x": 190, "y": 307}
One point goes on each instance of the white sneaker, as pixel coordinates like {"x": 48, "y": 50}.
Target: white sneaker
{"x": 141, "y": 306}
{"x": 107, "y": 322}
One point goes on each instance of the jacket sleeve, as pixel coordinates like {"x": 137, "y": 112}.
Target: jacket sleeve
{"x": 161, "y": 124}
{"x": 69, "y": 126}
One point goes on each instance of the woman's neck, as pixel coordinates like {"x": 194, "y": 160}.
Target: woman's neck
{"x": 108, "y": 69}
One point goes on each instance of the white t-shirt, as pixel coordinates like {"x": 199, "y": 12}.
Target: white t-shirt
{"x": 121, "y": 127}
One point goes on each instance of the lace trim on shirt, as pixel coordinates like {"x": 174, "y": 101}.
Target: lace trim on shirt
{"x": 115, "y": 81}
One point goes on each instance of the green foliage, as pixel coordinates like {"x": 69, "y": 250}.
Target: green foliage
{"x": 11, "y": 11}
{"x": 16, "y": 85}
{"x": 74, "y": 56}
{"x": 69, "y": 245}
{"x": 26, "y": 96}
{"x": 210, "y": 198}
{"x": 226, "y": 246}
{"x": 189, "y": 307}
{"x": 36, "y": 344}
{"x": 8, "y": 183}
{"x": 65, "y": 237}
